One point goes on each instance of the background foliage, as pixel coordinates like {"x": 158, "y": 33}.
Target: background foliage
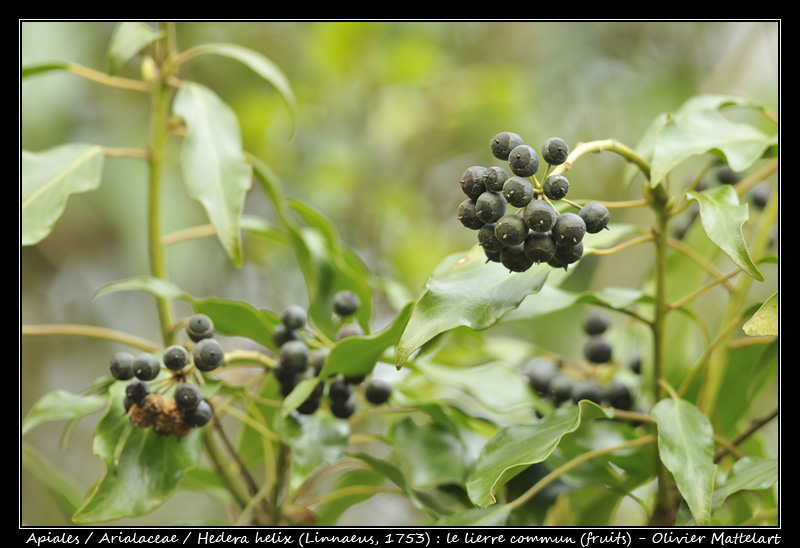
{"x": 388, "y": 115}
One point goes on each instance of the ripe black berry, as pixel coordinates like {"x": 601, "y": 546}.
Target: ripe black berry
{"x": 473, "y": 182}
{"x": 468, "y": 215}
{"x": 555, "y": 151}
{"x": 208, "y": 354}
{"x": 282, "y": 335}
{"x": 518, "y": 191}
{"x": 121, "y": 366}
{"x": 540, "y": 215}
{"x": 490, "y": 206}
{"x": 595, "y": 216}
{"x": 146, "y": 367}
{"x": 343, "y": 410}
{"x": 561, "y": 387}
{"x": 503, "y": 143}
{"x": 294, "y": 317}
{"x": 494, "y": 178}
{"x": 175, "y": 357}
{"x": 555, "y": 187}
{"x": 136, "y": 390}
{"x": 515, "y": 259}
{"x": 199, "y": 327}
{"x": 569, "y": 229}
{"x": 726, "y": 175}
{"x": 187, "y": 395}
{"x": 595, "y": 322}
{"x": 309, "y": 406}
{"x": 635, "y": 363}
{"x": 339, "y": 390}
{"x": 523, "y": 161}
{"x": 588, "y": 390}
{"x": 349, "y": 330}
{"x": 539, "y": 246}
{"x": 346, "y": 303}
{"x": 540, "y": 372}
{"x": 619, "y": 395}
{"x": 597, "y": 349}
{"x": 488, "y": 240}
{"x": 511, "y": 229}
{"x": 760, "y": 194}
{"x": 377, "y": 391}
{"x": 293, "y": 356}
{"x": 568, "y": 254}
{"x": 199, "y": 416}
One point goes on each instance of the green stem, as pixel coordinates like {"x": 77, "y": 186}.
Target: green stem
{"x": 89, "y": 331}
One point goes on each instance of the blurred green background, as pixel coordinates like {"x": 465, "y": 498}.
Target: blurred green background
{"x": 390, "y": 114}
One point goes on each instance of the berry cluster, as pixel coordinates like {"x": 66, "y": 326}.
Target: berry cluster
{"x": 187, "y": 408}
{"x": 513, "y": 214}
{"x": 301, "y": 356}
{"x": 549, "y": 377}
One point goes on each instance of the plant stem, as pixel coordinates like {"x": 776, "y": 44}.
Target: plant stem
{"x": 89, "y": 331}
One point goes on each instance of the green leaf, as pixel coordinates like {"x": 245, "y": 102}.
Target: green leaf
{"x": 516, "y": 447}
{"x": 61, "y": 486}
{"x": 261, "y": 65}
{"x": 350, "y": 488}
{"x": 496, "y": 516}
{"x": 315, "y": 440}
{"x": 142, "y": 469}
{"x": 60, "y": 405}
{"x": 765, "y": 320}
{"x": 298, "y": 395}
{"x": 428, "y": 454}
{"x": 686, "y": 447}
{"x": 699, "y": 126}
{"x": 215, "y": 171}
{"x": 748, "y": 473}
{"x": 356, "y": 356}
{"x": 129, "y": 38}
{"x": 722, "y": 217}
{"x": 465, "y": 290}
{"x": 48, "y": 180}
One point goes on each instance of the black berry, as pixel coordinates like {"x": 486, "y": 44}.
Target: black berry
{"x": 540, "y": 372}
{"x": 187, "y": 396}
{"x": 518, "y": 191}
{"x": 121, "y": 366}
{"x": 349, "y": 330}
{"x": 588, "y": 390}
{"x": 597, "y": 349}
{"x": 175, "y": 357}
{"x": 561, "y": 387}
{"x": 727, "y": 176}
{"x": 568, "y": 254}
{"x": 208, "y": 354}
{"x": 494, "y": 178}
{"x": 283, "y": 334}
{"x": 523, "y": 161}
{"x": 467, "y": 214}
{"x": 136, "y": 390}
{"x": 539, "y": 246}
{"x": 473, "y": 182}
{"x": 555, "y": 151}
{"x": 511, "y": 229}
{"x": 317, "y": 357}
{"x": 293, "y": 356}
{"x": 760, "y": 194}
{"x": 490, "y": 206}
{"x": 377, "y": 391}
{"x": 294, "y": 317}
{"x": 595, "y": 216}
{"x": 343, "y": 410}
{"x": 346, "y": 303}
{"x": 199, "y": 327}
{"x": 146, "y": 367}
{"x": 515, "y": 259}
{"x": 540, "y": 215}
{"x": 569, "y": 229}
{"x": 340, "y": 390}
{"x": 595, "y": 322}
{"x": 555, "y": 187}
{"x": 199, "y": 416}
{"x": 309, "y": 406}
{"x": 503, "y": 143}
{"x": 619, "y": 395}
{"x": 488, "y": 240}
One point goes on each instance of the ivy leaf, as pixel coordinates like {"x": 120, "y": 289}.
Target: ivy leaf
{"x": 722, "y": 217}
{"x": 129, "y": 38}
{"x": 49, "y": 178}
{"x": 516, "y": 447}
{"x": 215, "y": 171}
{"x": 59, "y": 405}
{"x": 465, "y": 290}
{"x": 765, "y": 320}
{"x": 686, "y": 447}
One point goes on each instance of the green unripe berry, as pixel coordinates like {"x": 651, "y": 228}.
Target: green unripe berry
{"x": 597, "y": 349}
{"x": 377, "y": 391}
{"x": 467, "y": 214}
{"x": 555, "y": 187}
{"x": 199, "y": 416}
{"x": 175, "y": 357}
{"x": 208, "y": 354}
{"x": 518, "y": 191}
{"x": 473, "y": 182}
{"x": 146, "y": 367}
{"x": 569, "y": 229}
{"x": 136, "y": 390}
{"x": 294, "y": 317}
{"x": 595, "y": 216}
{"x": 588, "y": 390}
{"x": 568, "y": 254}
{"x": 121, "y": 366}
{"x": 293, "y": 356}
{"x": 199, "y": 327}
{"x": 511, "y": 229}
{"x": 487, "y": 239}
{"x": 187, "y": 396}
{"x": 494, "y": 178}
{"x": 540, "y": 215}
{"x": 490, "y": 206}
{"x": 555, "y": 151}
{"x": 349, "y": 330}
{"x": 523, "y": 161}
{"x": 515, "y": 259}
{"x": 539, "y": 246}
{"x": 503, "y": 143}
{"x": 346, "y": 303}
{"x": 595, "y": 322}
{"x": 343, "y": 410}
